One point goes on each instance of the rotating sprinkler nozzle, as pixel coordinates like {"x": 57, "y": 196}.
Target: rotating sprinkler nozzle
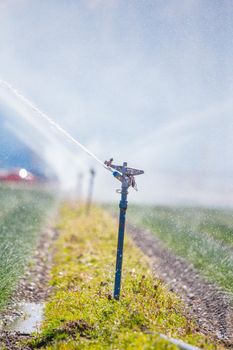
{"x": 126, "y": 176}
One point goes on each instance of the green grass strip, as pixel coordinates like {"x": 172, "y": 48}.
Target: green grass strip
{"x": 81, "y": 313}
{"x": 202, "y": 236}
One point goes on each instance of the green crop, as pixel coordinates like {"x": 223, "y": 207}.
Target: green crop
{"x": 202, "y": 236}
{"x": 22, "y": 213}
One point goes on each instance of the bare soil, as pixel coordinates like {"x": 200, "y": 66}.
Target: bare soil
{"x": 211, "y": 307}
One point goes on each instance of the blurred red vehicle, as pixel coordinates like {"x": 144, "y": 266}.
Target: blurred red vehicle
{"x": 17, "y": 175}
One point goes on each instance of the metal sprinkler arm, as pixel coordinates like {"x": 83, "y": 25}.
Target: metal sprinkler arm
{"x": 124, "y": 174}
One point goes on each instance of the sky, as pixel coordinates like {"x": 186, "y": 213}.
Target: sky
{"x": 144, "y": 81}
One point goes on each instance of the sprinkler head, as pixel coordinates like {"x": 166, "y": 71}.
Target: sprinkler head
{"x": 124, "y": 173}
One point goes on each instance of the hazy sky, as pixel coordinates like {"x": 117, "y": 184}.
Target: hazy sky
{"x": 148, "y": 81}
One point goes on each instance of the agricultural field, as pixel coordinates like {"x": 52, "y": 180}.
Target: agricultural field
{"x": 202, "y": 236}
{"x": 23, "y": 213}
{"x": 81, "y": 313}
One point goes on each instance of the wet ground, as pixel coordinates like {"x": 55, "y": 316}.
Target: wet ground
{"x": 29, "y": 319}
{"x": 209, "y": 305}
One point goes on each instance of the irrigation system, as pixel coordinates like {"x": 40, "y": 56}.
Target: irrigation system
{"x": 121, "y": 172}
{"x": 126, "y": 176}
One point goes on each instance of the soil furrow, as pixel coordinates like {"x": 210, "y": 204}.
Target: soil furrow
{"x": 211, "y": 307}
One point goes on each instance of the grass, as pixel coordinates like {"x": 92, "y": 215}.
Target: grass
{"x": 202, "y": 236}
{"x": 81, "y": 313}
{"x": 22, "y": 213}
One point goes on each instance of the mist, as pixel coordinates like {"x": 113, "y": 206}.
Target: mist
{"x": 147, "y": 82}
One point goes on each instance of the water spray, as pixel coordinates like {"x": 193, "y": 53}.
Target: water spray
{"x": 126, "y": 176}
{"x": 90, "y": 191}
{"x": 49, "y": 120}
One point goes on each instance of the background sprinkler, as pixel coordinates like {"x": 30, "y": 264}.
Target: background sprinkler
{"x": 79, "y": 186}
{"x": 126, "y": 176}
{"x": 90, "y": 191}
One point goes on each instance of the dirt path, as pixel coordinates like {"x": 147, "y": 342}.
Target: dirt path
{"x": 211, "y": 307}
{"x": 32, "y": 288}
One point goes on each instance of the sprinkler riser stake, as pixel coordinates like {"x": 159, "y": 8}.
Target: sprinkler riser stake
{"x": 120, "y": 245}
